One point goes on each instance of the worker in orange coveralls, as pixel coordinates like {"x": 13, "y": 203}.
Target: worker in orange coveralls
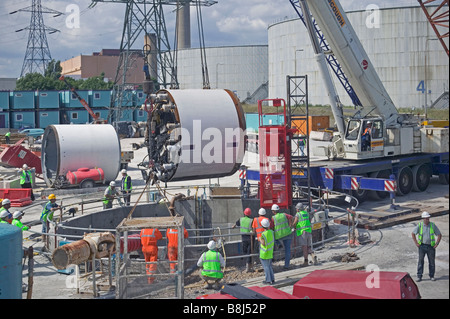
{"x": 172, "y": 246}
{"x": 149, "y": 239}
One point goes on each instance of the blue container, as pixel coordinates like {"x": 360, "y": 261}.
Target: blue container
{"x": 101, "y": 112}
{"x": 100, "y": 98}
{"x": 4, "y": 100}
{"x": 23, "y": 119}
{"x": 140, "y": 97}
{"x": 78, "y": 116}
{"x": 70, "y": 100}
{"x": 46, "y": 118}
{"x": 23, "y": 100}
{"x": 11, "y": 253}
{"x": 140, "y": 116}
{"x": 48, "y": 100}
{"x": 126, "y": 115}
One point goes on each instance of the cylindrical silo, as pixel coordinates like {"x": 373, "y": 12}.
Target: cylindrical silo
{"x": 70, "y": 147}
{"x": 196, "y": 134}
{"x": 11, "y": 253}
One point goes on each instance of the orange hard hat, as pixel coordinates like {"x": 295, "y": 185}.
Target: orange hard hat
{"x": 247, "y": 212}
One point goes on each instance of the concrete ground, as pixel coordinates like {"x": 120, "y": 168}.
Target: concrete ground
{"x": 389, "y": 249}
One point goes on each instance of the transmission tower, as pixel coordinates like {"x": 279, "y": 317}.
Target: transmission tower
{"x": 37, "y": 55}
{"x": 144, "y": 19}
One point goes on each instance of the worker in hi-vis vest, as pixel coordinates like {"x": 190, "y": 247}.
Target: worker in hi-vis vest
{"x": 212, "y": 263}
{"x": 126, "y": 187}
{"x": 26, "y": 179}
{"x": 245, "y": 226}
{"x": 17, "y": 220}
{"x": 172, "y": 246}
{"x": 428, "y": 238}
{"x": 149, "y": 239}
{"x": 267, "y": 241}
{"x": 302, "y": 224}
{"x": 283, "y": 233}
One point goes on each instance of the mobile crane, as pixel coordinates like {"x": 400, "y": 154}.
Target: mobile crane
{"x": 377, "y": 151}
{"x": 391, "y": 134}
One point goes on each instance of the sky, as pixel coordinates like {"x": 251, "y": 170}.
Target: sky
{"x": 228, "y": 22}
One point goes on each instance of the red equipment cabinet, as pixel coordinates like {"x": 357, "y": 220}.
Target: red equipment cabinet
{"x": 275, "y": 157}
{"x": 356, "y": 284}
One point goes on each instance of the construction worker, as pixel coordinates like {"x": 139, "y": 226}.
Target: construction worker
{"x": 47, "y": 213}
{"x": 109, "y": 195}
{"x": 126, "y": 187}
{"x": 6, "y": 205}
{"x": 8, "y": 137}
{"x": 256, "y": 224}
{"x": 172, "y": 246}
{"x": 26, "y": 179}
{"x": 212, "y": 263}
{"x": 245, "y": 225}
{"x": 16, "y": 221}
{"x": 302, "y": 224}
{"x": 149, "y": 240}
{"x": 366, "y": 137}
{"x": 4, "y": 216}
{"x": 267, "y": 243}
{"x": 282, "y": 230}
{"x": 427, "y": 243}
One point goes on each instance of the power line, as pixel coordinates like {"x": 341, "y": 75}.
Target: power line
{"x": 37, "y": 55}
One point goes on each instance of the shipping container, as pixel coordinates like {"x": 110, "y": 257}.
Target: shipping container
{"x": 23, "y": 119}
{"x": 100, "y": 98}
{"x": 4, "y": 100}
{"x": 46, "y": 118}
{"x": 48, "y": 99}
{"x": 23, "y": 100}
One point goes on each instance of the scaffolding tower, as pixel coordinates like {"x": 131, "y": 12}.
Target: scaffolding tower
{"x": 131, "y": 276}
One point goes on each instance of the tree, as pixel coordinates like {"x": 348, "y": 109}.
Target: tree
{"x": 50, "y": 81}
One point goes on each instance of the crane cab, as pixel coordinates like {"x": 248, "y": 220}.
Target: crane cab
{"x": 364, "y": 138}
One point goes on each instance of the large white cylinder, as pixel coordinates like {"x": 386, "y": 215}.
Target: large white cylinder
{"x": 207, "y": 134}
{"x": 70, "y": 147}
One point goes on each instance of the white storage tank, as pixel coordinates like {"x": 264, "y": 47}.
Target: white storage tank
{"x": 70, "y": 147}
{"x": 196, "y": 134}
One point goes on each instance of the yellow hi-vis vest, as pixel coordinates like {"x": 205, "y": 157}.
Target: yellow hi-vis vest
{"x": 245, "y": 224}
{"x": 281, "y": 226}
{"x": 433, "y": 239}
{"x": 303, "y": 224}
{"x": 211, "y": 265}
{"x": 266, "y": 252}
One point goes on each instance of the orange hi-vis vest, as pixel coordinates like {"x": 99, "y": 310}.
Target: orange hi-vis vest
{"x": 150, "y": 236}
{"x": 172, "y": 236}
{"x": 257, "y": 225}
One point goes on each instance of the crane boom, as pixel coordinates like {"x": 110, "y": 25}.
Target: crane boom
{"x": 350, "y": 53}
{"x": 83, "y": 102}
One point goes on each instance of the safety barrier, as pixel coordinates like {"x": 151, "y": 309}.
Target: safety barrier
{"x": 19, "y": 197}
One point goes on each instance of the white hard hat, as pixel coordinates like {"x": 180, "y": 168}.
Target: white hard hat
{"x": 426, "y": 215}
{"x": 124, "y": 171}
{"x": 112, "y": 184}
{"x": 6, "y": 201}
{"x": 211, "y": 245}
{"x": 4, "y": 214}
{"x": 275, "y": 207}
{"x": 262, "y": 211}
{"x": 265, "y": 223}
{"x": 18, "y": 214}
{"x": 299, "y": 206}
{"x": 24, "y": 166}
